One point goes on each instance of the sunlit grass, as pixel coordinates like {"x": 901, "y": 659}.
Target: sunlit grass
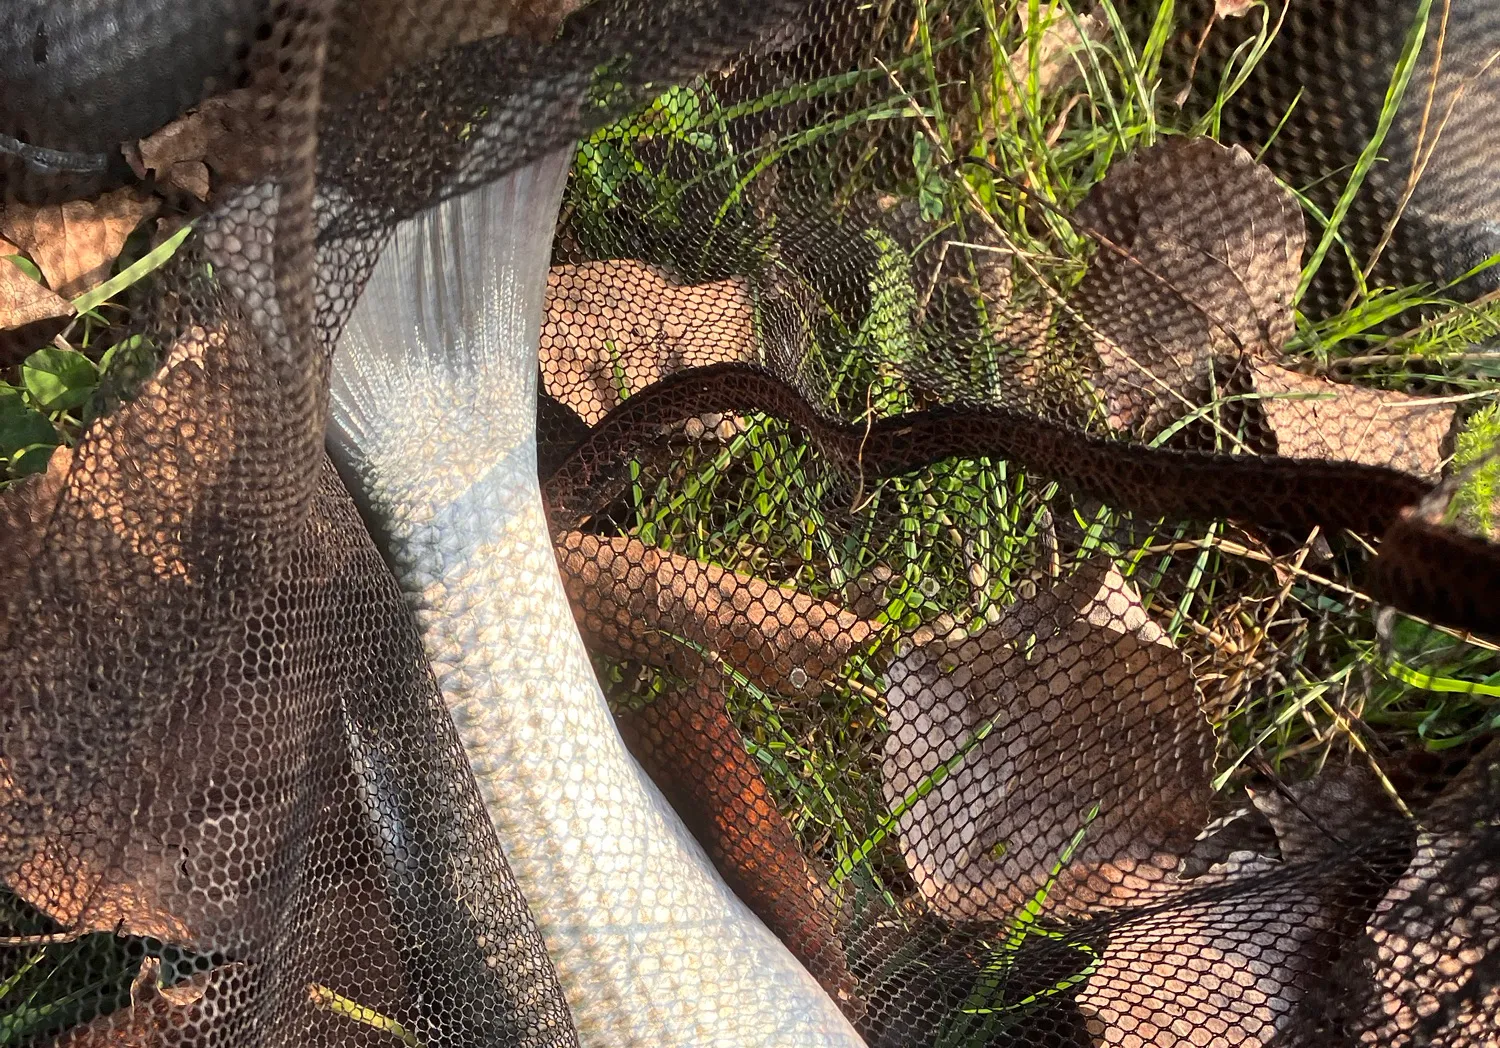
{"x": 1284, "y": 642}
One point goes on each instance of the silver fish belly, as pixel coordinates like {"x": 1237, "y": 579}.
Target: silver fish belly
{"x": 433, "y": 428}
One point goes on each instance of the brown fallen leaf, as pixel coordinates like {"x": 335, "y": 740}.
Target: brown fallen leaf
{"x": 1225, "y": 956}
{"x": 76, "y": 876}
{"x": 203, "y": 445}
{"x": 191, "y": 176}
{"x": 79, "y": 884}
{"x": 1222, "y": 9}
{"x": 1314, "y": 418}
{"x": 1057, "y": 59}
{"x": 1069, "y": 701}
{"x": 224, "y": 134}
{"x": 686, "y": 742}
{"x": 412, "y": 34}
{"x": 1322, "y": 817}
{"x": 1226, "y": 969}
{"x": 633, "y": 600}
{"x": 160, "y": 1015}
{"x": 1241, "y": 830}
{"x": 618, "y": 326}
{"x": 1199, "y": 260}
{"x": 23, "y": 300}
{"x": 75, "y": 243}
{"x": 1439, "y": 924}
{"x": 1097, "y": 593}
{"x": 1189, "y": 296}
{"x": 25, "y": 509}
{"x": 79, "y": 872}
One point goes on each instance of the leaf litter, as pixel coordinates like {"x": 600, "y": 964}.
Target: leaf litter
{"x": 214, "y": 143}
{"x": 1232, "y": 275}
{"x": 24, "y": 300}
{"x": 1032, "y": 713}
{"x": 1205, "y": 243}
{"x": 75, "y": 243}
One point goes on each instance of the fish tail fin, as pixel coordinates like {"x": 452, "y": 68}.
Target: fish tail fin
{"x": 450, "y": 318}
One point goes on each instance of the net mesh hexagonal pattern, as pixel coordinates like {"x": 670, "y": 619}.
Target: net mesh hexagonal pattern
{"x": 909, "y": 523}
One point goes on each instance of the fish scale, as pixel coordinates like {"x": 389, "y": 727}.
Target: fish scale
{"x": 433, "y": 427}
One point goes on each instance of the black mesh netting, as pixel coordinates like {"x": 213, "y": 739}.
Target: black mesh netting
{"x": 909, "y": 523}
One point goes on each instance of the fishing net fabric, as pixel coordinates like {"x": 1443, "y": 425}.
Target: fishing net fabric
{"x": 885, "y": 530}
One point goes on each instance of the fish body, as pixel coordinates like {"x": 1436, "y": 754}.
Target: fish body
{"x": 433, "y": 428}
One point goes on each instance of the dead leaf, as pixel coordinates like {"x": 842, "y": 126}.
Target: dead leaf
{"x": 1239, "y": 945}
{"x": 632, "y": 600}
{"x": 409, "y": 35}
{"x": 1038, "y": 719}
{"x": 1189, "y": 295}
{"x": 1334, "y": 420}
{"x": 1198, "y": 263}
{"x": 7, "y": 248}
{"x": 1322, "y": 817}
{"x": 686, "y": 742}
{"x": 1097, "y": 593}
{"x": 1430, "y": 932}
{"x": 74, "y": 244}
{"x": 715, "y": 424}
{"x": 1224, "y": 969}
{"x": 1057, "y": 61}
{"x": 540, "y": 19}
{"x": 1439, "y": 924}
{"x": 203, "y": 446}
{"x": 41, "y": 492}
{"x": 81, "y": 873}
{"x": 161, "y": 1015}
{"x": 224, "y": 134}
{"x": 25, "y": 509}
{"x": 83, "y": 887}
{"x": 191, "y": 176}
{"x": 23, "y": 300}
{"x": 1242, "y": 830}
{"x": 625, "y": 324}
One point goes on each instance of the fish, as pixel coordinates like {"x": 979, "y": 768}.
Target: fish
{"x": 432, "y": 427}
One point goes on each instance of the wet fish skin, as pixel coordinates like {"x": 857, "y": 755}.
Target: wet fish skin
{"x": 433, "y": 414}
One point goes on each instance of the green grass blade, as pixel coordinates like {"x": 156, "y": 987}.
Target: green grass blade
{"x": 922, "y": 789}
{"x": 322, "y": 997}
{"x": 133, "y": 273}
{"x": 1427, "y": 682}
{"x": 1400, "y": 77}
